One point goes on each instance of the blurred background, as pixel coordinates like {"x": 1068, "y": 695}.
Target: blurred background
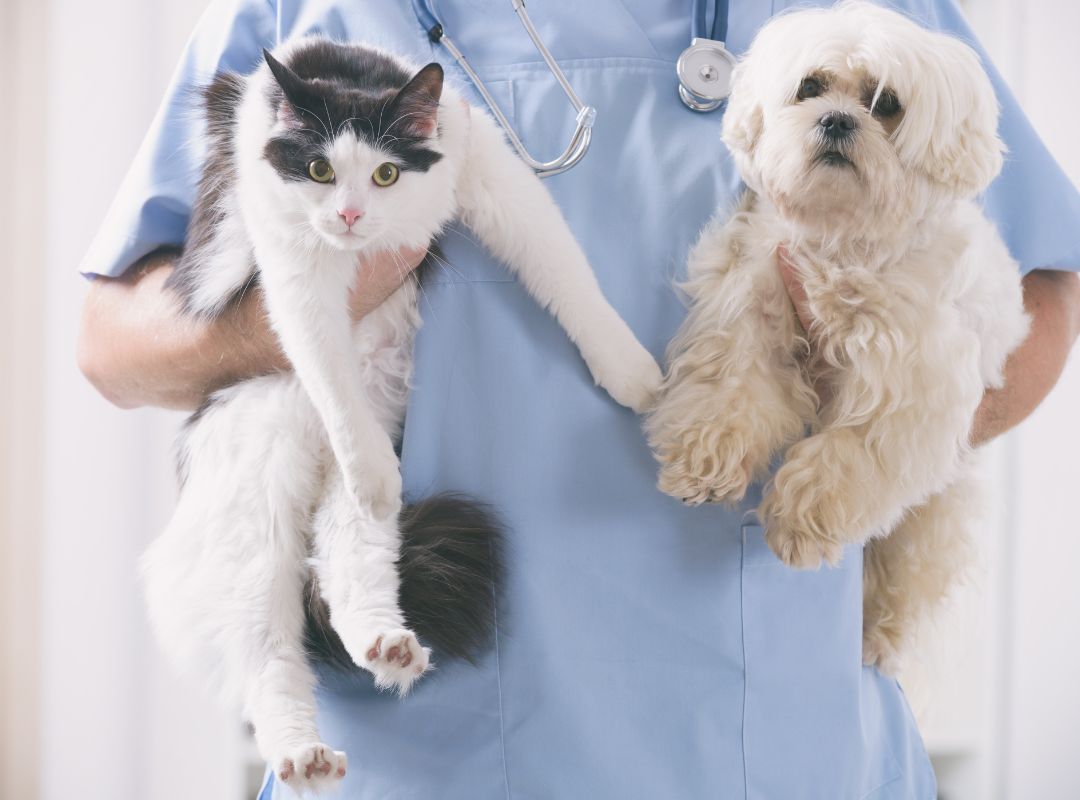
{"x": 88, "y": 709}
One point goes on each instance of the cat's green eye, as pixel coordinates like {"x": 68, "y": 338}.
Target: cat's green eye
{"x": 385, "y": 174}
{"x": 320, "y": 170}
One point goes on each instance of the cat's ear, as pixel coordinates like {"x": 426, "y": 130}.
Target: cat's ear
{"x": 416, "y": 107}
{"x": 296, "y": 89}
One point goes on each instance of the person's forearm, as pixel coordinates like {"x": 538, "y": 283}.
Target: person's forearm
{"x": 137, "y": 348}
{"x": 1053, "y": 301}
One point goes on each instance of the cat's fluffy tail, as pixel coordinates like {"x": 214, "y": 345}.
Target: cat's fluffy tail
{"x": 451, "y": 570}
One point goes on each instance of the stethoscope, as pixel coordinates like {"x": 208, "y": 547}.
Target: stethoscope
{"x": 705, "y": 67}
{"x": 704, "y": 71}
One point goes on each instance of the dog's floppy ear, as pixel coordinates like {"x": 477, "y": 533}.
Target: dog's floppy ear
{"x": 958, "y": 122}
{"x": 743, "y": 115}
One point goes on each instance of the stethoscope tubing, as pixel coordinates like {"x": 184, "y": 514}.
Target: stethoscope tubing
{"x": 586, "y": 115}
{"x": 718, "y": 31}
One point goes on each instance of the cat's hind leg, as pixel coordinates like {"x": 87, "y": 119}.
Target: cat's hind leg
{"x": 225, "y": 580}
{"x": 356, "y": 557}
{"x": 280, "y": 700}
{"x": 910, "y": 572}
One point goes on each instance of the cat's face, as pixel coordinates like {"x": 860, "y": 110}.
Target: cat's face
{"x": 353, "y": 155}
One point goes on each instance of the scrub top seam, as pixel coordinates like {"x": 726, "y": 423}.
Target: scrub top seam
{"x": 510, "y": 70}
{"x": 498, "y": 683}
{"x": 742, "y": 640}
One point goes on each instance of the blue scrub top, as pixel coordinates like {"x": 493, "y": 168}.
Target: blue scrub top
{"x": 647, "y": 650}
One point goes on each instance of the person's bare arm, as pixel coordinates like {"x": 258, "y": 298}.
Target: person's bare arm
{"x": 138, "y": 349}
{"x": 1052, "y": 298}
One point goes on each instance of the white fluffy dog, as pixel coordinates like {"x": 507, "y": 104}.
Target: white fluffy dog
{"x": 862, "y": 139}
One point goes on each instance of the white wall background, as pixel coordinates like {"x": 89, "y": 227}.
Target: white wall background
{"x": 1034, "y": 44}
{"x": 90, "y": 711}
{"x": 125, "y": 726}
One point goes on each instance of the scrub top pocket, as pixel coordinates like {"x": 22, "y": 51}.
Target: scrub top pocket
{"x": 795, "y": 622}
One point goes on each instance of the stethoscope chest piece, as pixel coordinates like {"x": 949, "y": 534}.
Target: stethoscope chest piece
{"x": 704, "y": 70}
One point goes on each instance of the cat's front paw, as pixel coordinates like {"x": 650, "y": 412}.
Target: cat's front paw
{"x": 314, "y": 766}
{"x": 374, "y": 482}
{"x": 631, "y": 376}
{"x": 396, "y": 659}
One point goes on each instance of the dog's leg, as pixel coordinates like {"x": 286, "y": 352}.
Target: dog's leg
{"x": 910, "y": 571}
{"x": 895, "y": 432}
{"x": 734, "y": 392}
{"x": 356, "y": 561}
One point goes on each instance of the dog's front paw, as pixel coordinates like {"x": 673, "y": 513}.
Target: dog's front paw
{"x": 816, "y": 503}
{"x": 396, "y": 659}
{"x": 632, "y": 379}
{"x": 710, "y": 461}
{"x": 795, "y": 527}
{"x": 314, "y": 766}
{"x": 798, "y": 547}
{"x": 697, "y": 474}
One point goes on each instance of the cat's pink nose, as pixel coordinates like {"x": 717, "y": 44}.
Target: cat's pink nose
{"x": 350, "y": 215}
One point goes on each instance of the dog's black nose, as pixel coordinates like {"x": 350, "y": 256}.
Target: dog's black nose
{"x": 837, "y": 125}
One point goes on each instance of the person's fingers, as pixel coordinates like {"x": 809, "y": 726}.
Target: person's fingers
{"x": 796, "y": 291}
{"x": 379, "y": 275}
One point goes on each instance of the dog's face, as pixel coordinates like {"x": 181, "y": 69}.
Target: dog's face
{"x": 851, "y": 117}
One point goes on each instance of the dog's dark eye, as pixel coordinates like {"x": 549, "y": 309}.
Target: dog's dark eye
{"x": 810, "y": 87}
{"x": 888, "y": 105}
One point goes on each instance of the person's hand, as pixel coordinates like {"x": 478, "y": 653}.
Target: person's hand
{"x": 379, "y": 276}
{"x": 795, "y": 290}
{"x": 1052, "y": 298}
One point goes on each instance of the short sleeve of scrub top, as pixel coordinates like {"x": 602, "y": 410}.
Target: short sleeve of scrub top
{"x": 154, "y": 202}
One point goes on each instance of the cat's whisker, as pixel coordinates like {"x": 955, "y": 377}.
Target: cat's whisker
{"x": 445, "y": 264}
{"x": 247, "y": 285}
{"x": 406, "y": 274}
{"x": 386, "y": 134}
{"x": 456, "y": 230}
{"x": 346, "y": 122}
{"x": 325, "y": 135}
{"x": 329, "y": 116}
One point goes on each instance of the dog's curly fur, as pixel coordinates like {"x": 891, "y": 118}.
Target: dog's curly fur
{"x": 915, "y": 299}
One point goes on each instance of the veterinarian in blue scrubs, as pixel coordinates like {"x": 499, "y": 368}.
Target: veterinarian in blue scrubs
{"x": 647, "y": 650}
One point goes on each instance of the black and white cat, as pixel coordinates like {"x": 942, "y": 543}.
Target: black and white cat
{"x": 326, "y": 153}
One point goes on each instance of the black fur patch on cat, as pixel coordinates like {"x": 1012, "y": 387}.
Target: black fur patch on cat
{"x": 326, "y": 88}
{"x": 220, "y": 100}
{"x": 337, "y": 85}
{"x": 451, "y": 569}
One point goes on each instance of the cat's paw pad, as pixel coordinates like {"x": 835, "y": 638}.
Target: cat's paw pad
{"x": 311, "y": 766}
{"x": 396, "y": 659}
